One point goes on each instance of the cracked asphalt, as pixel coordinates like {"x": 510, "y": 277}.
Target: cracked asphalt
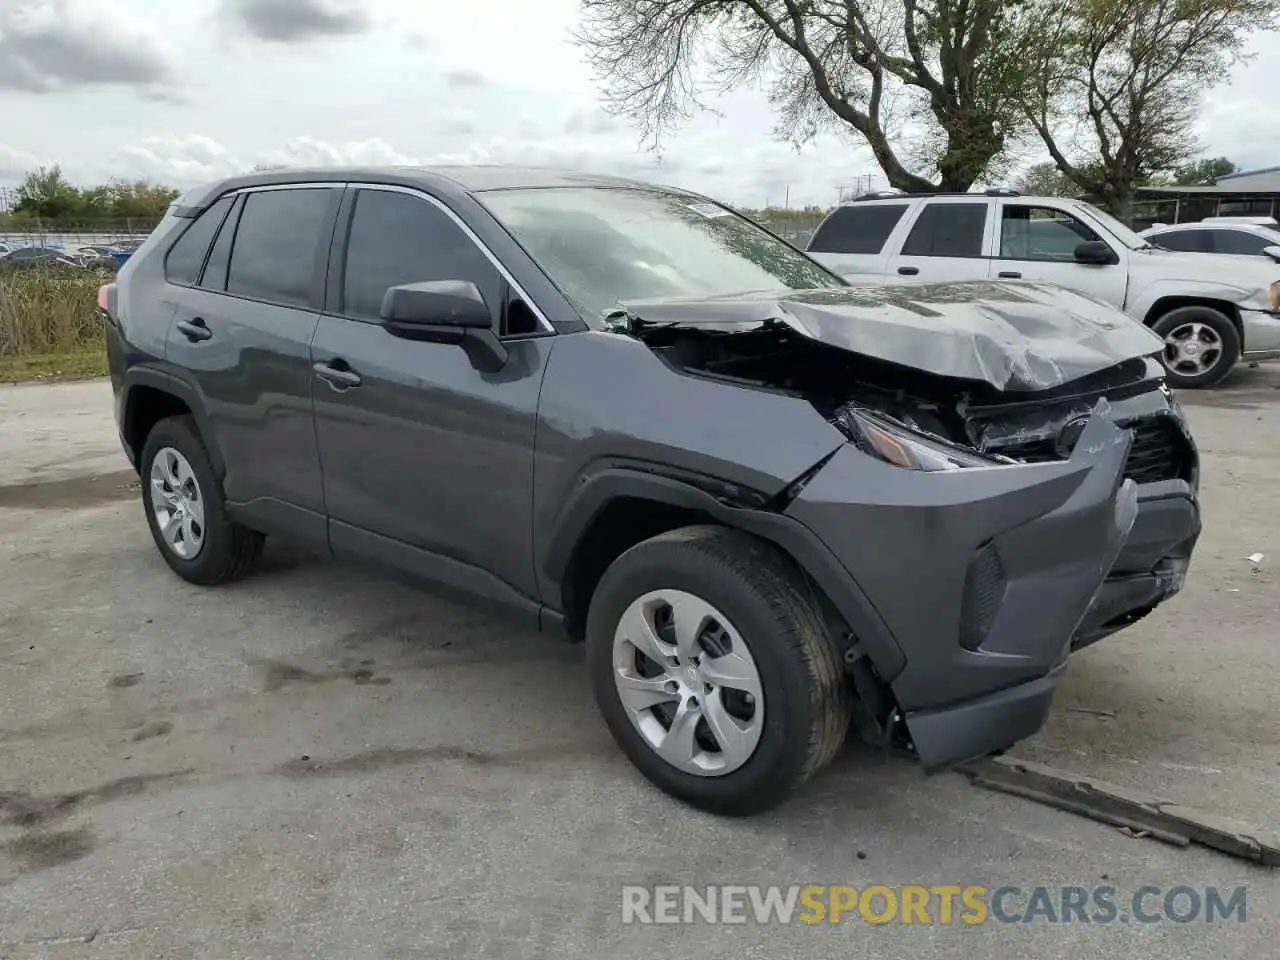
{"x": 321, "y": 763}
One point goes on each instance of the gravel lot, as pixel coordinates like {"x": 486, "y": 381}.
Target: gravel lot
{"x": 319, "y": 763}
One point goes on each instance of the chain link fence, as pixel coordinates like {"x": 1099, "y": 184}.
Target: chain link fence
{"x": 18, "y": 232}
{"x": 796, "y": 227}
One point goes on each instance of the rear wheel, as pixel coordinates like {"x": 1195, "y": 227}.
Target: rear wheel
{"x": 714, "y": 673}
{"x": 186, "y": 510}
{"x": 1201, "y": 345}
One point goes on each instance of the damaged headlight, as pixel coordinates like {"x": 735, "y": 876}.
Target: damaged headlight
{"x": 897, "y": 444}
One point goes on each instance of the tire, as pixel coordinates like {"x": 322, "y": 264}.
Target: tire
{"x": 1211, "y": 332}
{"x": 217, "y": 549}
{"x": 805, "y": 708}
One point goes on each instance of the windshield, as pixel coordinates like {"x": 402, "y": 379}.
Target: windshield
{"x": 602, "y": 246}
{"x": 1118, "y": 229}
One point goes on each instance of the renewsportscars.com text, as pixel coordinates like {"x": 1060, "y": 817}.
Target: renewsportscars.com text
{"x": 934, "y": 904}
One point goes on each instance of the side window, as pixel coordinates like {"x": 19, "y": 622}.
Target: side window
{"x": 857, "y": 228}
{"x": 1185, "y": 241}
{"x": 947, "y": 230}
{"x": 185, "y": 258}
{"x": 215, "y": 270}
{"x": 277, "y": 243}
{"x": 1239, "y": 242}
{"x": 396, "y": 238}
{"x": 1041, "y": 233}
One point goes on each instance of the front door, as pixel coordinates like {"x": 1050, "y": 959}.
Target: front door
{"x": 427, "y": 461}
{"x": 243, "y": 333}
{"x": 1038, "y": 242}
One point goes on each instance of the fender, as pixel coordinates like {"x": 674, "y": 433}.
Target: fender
{"x": 177, "y": 386}
{"x": 596, "y": 490}
{"x": 1219, "y": 290}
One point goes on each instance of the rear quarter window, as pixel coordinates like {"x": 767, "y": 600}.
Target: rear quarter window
{"x": 186, "y": 257}
{"x": 857, "y": 229}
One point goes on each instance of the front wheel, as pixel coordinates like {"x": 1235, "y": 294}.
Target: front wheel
{"x": 713, "y": 671}
{"x": 1201, "y": 345}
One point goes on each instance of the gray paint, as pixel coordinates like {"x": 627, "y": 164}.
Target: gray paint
{"x": 1013, "y": 336}
{"x": 481, "y": 483}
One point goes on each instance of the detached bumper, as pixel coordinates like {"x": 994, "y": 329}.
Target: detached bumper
{"x": 981, "y": 576}
{"x": 1152, "y": 567}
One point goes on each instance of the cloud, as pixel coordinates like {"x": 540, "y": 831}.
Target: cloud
{"x": 590, "y": 123}
{"x": 48, "y": 46}
{"x": 463, "y": 79}
{"x": 297, "y": 21}
{"x": 15, "y": 164}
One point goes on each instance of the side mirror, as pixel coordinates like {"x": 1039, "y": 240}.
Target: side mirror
{"x": 445, "y": 311}
{"x": 1095, "y": 252}
{"x": 1273, "y": 253}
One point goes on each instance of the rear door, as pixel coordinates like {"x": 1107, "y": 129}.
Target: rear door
{"x": 943, "y": 242}
{"x": 1240, "y": 243}
{"x": 242, "y": 335}
{"x": 1037, "y": 241}
{"x": 853, "y": 239}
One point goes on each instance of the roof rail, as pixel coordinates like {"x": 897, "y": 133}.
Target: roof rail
{"x": 876, "y": 195}
{"x": 896, "y": 194}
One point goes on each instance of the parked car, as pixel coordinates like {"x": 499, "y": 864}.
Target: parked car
{"x": 764, "y": 513}
{"x": 34, "y": 253}
{"x": 30, "y": 257}
{"x": 1217, "y": 236}
{"x": 1210, "y": 312}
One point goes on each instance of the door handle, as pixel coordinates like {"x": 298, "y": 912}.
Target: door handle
{"x": 194, "y": 329}
{"x": 1009, "y": 275}
{"x": 908, "y": 271}
{"x": 338, "y": 377}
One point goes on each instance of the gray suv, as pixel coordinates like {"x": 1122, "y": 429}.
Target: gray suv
{"x": 775, "y": 506}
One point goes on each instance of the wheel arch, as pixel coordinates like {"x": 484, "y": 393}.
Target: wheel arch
{"x": 1164, "y": 305}
{"x": 588, "y": 536}
{"x": 151, "y": 395}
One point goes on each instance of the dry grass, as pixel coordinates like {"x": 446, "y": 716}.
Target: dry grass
{"x": 49, "y": 323}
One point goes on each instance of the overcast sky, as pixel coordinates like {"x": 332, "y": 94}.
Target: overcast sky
{"x": 189, "y": 90}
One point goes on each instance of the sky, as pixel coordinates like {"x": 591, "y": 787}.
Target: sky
{"x": 184, "y": 91}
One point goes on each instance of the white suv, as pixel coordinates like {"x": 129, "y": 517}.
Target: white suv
{"x": 1211, "y": 310}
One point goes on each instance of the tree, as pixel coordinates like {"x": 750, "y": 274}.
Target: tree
{"x": 137, "y": 199}
{"x": 46, "y": 192}
{"x": 871, "y": 67}
{"x": 1046, "y": 180}
{"x": 1204, "y": 172}
{"x": 49, "y": 195}
{"x": 1134, "y": 72}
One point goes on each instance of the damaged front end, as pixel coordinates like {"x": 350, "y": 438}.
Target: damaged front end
{"x": 1008, "y": 498}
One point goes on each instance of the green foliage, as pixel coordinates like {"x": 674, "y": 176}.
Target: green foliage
{"x": 1203, "y": 172}
{"x": 46, "y": 194}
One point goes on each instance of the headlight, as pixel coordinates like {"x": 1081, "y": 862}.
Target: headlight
{"x": 898, "y": 445}
{"x": 1275, "y": 296}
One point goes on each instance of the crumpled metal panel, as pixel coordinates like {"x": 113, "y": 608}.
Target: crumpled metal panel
{"x": 1014, "y": 336}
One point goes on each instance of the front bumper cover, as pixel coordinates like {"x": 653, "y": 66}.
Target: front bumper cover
{"x": 982, "y": 576}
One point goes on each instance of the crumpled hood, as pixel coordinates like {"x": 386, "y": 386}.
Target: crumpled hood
{"x": 1015, "y": 336}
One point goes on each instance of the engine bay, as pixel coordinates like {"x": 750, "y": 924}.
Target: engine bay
{"x": 1009, "y": 426}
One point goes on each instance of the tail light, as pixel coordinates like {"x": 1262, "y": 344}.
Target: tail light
{"x": 105, "y": 297}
